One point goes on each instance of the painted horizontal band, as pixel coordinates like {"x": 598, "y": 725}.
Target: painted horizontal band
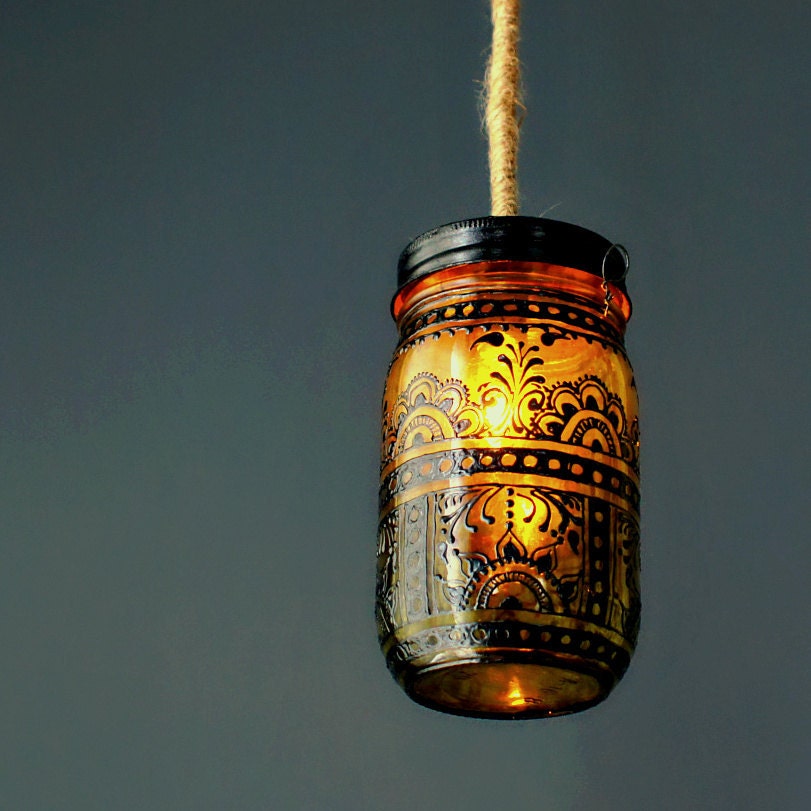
{"x": 557, "y": 465}
{"x": 491, "y": 615}
{"x": 423, "y": 645}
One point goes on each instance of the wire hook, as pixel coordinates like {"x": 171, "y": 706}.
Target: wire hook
{"x": 626, "y": 260}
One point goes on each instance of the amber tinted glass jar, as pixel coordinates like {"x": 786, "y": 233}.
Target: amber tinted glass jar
{"x": 508, "y": 553}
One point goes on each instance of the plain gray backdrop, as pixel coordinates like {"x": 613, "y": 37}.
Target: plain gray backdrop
{"x": 202, "y": 208}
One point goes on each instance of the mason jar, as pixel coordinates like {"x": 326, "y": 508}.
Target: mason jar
{"x": 508, "y": 549}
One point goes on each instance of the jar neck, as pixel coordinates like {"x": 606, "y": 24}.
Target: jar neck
{"x": 506, "y": 277}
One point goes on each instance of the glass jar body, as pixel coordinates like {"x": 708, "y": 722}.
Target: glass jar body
{"x": 508, "y": 552}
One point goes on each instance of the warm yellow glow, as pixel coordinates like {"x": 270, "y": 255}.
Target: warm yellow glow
{"x": 515, "y": 697}
{"x": 495, "y": 415}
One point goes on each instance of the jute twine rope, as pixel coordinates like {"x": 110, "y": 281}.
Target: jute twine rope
{"x": 503, "y": 107}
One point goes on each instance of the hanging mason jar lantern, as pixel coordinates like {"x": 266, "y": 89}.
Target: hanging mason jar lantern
{"x": 508, "y": 555}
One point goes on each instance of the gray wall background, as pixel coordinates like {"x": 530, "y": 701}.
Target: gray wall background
{"x": 202, "y": 208}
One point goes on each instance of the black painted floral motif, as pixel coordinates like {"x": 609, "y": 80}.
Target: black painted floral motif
{"x": 513, "y": 395}
{"x": 426, "y": 411}
{"x": 510, "y": 547}
{"x": 515, "y": 402}
{"x": 585, "y": 413}
{"x": 628, "y": 552}
{"x": 386, "y": 589}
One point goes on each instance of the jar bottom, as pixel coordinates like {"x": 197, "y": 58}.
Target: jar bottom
{"x": 506, "y": 689}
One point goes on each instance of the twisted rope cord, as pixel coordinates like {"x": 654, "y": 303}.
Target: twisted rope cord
{"x": 503, "y": 108}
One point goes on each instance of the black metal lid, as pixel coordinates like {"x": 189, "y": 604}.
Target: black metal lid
{"x": 520, "y": 239}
